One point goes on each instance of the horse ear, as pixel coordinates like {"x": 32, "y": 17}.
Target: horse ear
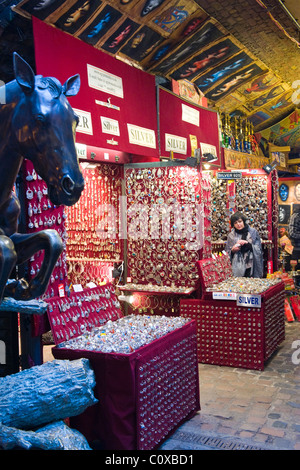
{"x": 71, "y": 86}
{"x": 23, "y": 73}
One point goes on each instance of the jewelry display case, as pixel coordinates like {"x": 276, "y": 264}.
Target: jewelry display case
{"x": 93, "y": 243}
{"x": 81, "y": 311}
{"x": 240, "y": 321}
{"x": 252, "y": 192}
{"x": 165, "y": 234}
{"x": 146, "y": 390}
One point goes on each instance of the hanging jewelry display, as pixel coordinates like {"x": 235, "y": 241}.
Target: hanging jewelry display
{"x": 41, "y": 214}
{"x": 164, "y": 225}
{"x": 207, "y": 212}
{"x": 93, "y": 243}
{"x": 249, "y": 195}
{"x": 219, "y": 204}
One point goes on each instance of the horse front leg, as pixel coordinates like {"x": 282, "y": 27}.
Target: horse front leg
{"x": 8, "y": 258}
{"x": 26, "y": 245}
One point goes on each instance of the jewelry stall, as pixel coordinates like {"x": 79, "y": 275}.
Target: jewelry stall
{"x": 164, "y": 236}
{"x": 240, "y": 321}
{"x": 145, "y": 367}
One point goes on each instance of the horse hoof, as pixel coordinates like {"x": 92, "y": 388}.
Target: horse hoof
{"x": 18, "y": 290}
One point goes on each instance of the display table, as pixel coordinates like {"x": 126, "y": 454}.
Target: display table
{"x": 143, "y": 396}
{"x": 233, "y": 334}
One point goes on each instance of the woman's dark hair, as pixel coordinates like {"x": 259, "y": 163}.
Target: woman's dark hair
{"x": 236, "y": 216}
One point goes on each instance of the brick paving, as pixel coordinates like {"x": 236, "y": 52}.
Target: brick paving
{"x": 254, "y": 408}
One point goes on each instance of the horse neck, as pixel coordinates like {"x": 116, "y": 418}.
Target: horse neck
{"x": 10, "y": 158}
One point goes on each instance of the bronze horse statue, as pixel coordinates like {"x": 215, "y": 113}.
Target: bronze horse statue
{"x": 36, "y": 123}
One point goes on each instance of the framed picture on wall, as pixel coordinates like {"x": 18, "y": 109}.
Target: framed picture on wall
{"x": 297, "y": 191}
{"x": 284, "y": 213}
{"x": 296, "y": 207}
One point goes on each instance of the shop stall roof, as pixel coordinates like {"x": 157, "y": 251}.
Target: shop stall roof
{"x": 243, "y": 56}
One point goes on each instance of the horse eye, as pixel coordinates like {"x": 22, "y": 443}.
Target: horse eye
{"x": 40, "y": 119}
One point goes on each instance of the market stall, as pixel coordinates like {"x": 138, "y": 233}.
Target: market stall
{"x": 240, "y": 321}
{"x": 145, "y": 368}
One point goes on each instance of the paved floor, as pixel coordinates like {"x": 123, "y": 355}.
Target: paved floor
{"x": 244, "y": 409}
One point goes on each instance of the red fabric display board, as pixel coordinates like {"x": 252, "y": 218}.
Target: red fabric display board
{"x": 294, "y": 301}
{"x": 81, "y": 311}
{"x": 116, "y": 102}
{"x": 230, "y": 334}
{"x": 144, "y": 395}
{"x": 181, "y": 118}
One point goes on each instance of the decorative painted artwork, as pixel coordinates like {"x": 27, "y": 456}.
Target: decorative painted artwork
{"x": 174, "y": 15}
{"x": 100, "y": 25}
{"x": 77, "y": 15}
{"x": 208, "y": 33}
{"x": 231, "y": 83}
{"x": 204, "y": 61}
{"x": 141, "y": 44}
{"x": 120, "y": 36}
{"x": 40, "y": 8}
{"x": 259, "y": 85}
{"x": 220, "y": 72}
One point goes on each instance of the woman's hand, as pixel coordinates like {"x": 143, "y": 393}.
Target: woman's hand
{"x": 238, "y": 245}
{"x": 236, "y": 248}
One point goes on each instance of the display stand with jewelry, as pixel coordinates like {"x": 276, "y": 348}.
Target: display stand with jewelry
{"x": 240, "y": 321}
{"x": 253, "y": 193}
{"x": 93, "y": 243}
{"x": 40, "y": 214}
{"x": 165, "y": 234}
{"x": 125, "y": 353}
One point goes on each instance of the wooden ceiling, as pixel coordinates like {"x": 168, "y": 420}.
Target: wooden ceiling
{"x": 243, "y": 55}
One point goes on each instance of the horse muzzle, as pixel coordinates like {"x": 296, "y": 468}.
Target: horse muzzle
{"x": 67, "y": 192}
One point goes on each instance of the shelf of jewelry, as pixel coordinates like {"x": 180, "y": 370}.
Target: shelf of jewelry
{"x": 93, "y": 242}
{"x": 238, "y": 336}
{"x": 220, "y": 244}
{"x": 248, "y": 195}
{"x": 157, "y": 290}
{"x": 85, "y": 270}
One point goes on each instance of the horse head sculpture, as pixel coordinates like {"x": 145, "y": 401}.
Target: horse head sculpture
{"x": 43, "y": 124}
{"x": 36, "y": 123}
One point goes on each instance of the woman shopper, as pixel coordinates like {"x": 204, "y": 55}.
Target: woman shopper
{"x": 244, "y": 248}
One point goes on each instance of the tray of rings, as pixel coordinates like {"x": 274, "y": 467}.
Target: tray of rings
{"x": 216, "y": 277}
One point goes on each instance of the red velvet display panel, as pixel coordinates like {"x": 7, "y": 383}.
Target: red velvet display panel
{"x": 60, "y": 55}
{"x": 171, "y": 122}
